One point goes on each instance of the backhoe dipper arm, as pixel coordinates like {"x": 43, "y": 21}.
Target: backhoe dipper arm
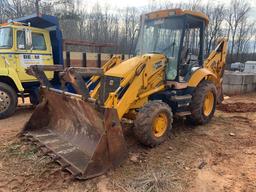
{"x": 217, "y": 59}
{"x": 216, "y": 64}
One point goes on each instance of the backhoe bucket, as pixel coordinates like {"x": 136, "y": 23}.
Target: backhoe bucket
{"x": 81, "y": 137}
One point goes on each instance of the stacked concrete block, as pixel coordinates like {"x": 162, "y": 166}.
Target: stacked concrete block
{"x": 235, "y": 83}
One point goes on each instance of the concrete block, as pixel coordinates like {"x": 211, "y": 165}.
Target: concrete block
{"x": 248, "y": 79}
{"x": 233, "y": 79}
{"x": 238, "y": 83}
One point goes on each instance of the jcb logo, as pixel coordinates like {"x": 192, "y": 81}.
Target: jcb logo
{"x": 159, "y": 64}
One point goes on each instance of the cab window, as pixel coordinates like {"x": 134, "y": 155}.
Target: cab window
{"x": 5, "y": 38}
{"x": 21, "y": 43}
{"x": 38, "y": 41}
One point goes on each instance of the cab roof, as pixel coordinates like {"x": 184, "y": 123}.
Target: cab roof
{"x": 39, "y": 21}
{"x": 18, "y": 25}
{"x": 171, "y": 12}
{"x": 36, "y": 21}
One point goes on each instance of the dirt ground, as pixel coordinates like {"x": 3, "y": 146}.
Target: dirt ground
{"x": 219, "y": 156}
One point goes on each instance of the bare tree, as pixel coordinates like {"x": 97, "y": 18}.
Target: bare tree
{"x": 101, "y": 22}
{"x": 216, "y": 18}
{"x": 238, "y": 11}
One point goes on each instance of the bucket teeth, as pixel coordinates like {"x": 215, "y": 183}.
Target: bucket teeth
{"x": 41, "y": 145}
{"x": 25, "y": 139}
{"x": 77, "y": 175}
{"x": 47, "y": 152}
{"x": 35, "y": 142}
{"x": 27, "y": 135}
{"x": 56, "y": 158}
{"x": 29, "y": 140}
{"x": 63, "y": 167}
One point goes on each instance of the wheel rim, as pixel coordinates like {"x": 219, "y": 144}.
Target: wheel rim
{"x": 208, "y": 103}
{"x": 4, "y": 101}
{"x": 160, "y": 124}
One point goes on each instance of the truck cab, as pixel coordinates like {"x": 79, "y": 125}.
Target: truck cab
{"x": 32, "y": 40}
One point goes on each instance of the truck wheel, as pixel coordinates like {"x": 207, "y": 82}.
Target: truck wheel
{"x": 153, "y": 123}
{"x": 203, "y": 103}
{"x": 8, "y": 100}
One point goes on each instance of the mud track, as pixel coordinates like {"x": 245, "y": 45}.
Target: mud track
{"x": 238, "y": 107}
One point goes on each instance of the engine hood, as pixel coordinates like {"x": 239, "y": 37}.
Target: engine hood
{"x": 128, "y": 66}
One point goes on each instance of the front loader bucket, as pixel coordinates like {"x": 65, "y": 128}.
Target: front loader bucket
{"x": 84, "y": 140}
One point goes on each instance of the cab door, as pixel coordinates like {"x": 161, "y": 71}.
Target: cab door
{"x": 39, "y": 53}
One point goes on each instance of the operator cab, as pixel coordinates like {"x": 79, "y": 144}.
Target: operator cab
{"x": 179, "y": 35}
{"x": 23, "y": 35}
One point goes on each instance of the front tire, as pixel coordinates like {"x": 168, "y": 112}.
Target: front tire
{"x": 203, "y": 104}
{"x": 8, "y": 100}
{"x": 153, "y": 123}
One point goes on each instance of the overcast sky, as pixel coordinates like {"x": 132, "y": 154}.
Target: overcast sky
{"x": 123, "y": 3}
{"x": 138, "y": 3}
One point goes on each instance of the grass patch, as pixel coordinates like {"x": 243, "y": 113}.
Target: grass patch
{"x": 19, "y": 149}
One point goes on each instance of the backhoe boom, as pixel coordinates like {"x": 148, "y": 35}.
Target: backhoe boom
{"x": 217, "y": 59}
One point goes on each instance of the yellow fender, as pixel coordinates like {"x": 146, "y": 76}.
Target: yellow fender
{"x": 9, "y": 72}
{"x": 201, "y": 74}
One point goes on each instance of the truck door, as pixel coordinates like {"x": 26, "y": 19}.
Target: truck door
{"x": 39, "y": 54}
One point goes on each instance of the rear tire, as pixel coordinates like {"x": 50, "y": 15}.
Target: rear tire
{"x": 153, "y": 123}
{"x": 203, "y": 103}
{"x": 8, "y": 100}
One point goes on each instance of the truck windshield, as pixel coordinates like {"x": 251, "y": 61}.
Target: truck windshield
{"x": 161, "y": 36}
{"x": 5, "y": 38}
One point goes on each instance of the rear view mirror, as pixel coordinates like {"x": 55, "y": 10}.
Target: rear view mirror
{"x": 28, "y": 37}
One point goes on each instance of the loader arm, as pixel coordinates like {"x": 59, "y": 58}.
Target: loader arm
{"x": 137, "y": 84}
{"x": 94, "y": 83}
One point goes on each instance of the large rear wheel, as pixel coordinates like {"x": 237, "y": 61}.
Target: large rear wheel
{"x": 153, "y": 123}
{"x": 203, "y": 103}
{"x": 8, "y": 100}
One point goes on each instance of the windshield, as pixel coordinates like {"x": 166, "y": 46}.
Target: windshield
{"x": 5, "y": 38}
{"x": 162, "y": 36}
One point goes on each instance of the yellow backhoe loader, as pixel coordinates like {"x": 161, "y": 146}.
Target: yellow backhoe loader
{"x": 168, "y": 77}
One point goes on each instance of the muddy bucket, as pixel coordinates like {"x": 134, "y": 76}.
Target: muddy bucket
{"x": 81, "y": 137}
